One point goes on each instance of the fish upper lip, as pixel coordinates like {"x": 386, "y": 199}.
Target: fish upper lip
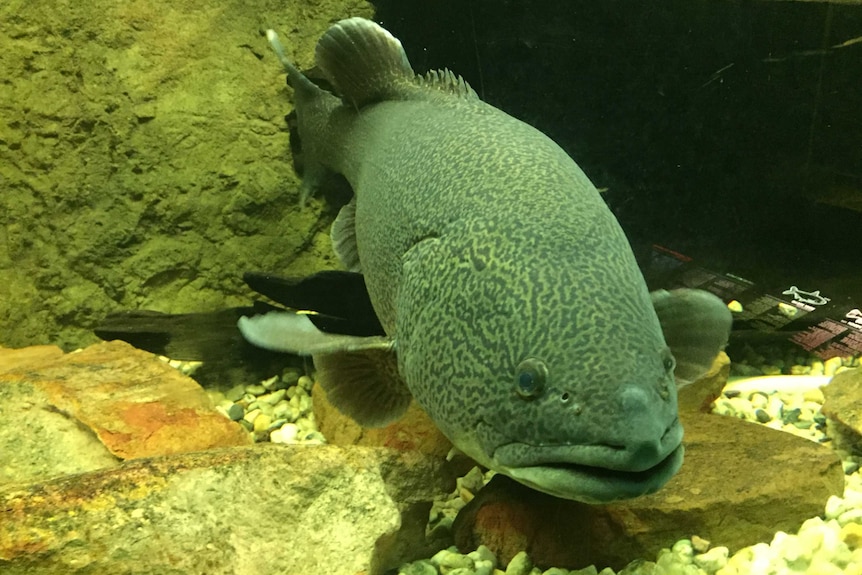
{"x": 600, "y": 458}
{"x": 594, "y": 473}
{"x": 597, "y": 485}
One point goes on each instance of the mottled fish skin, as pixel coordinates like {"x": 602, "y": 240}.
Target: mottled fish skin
{"x": 484, "y": 245}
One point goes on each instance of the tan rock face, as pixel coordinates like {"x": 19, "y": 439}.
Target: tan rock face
{"x": 843, "y": 408}
{"x": 246, "y": 510}
{"x": 700, "y": 394}
{"x": 54, "y": 408}
{"x": 137, "y": 405}
{"x": 165, "y": 178}
{"x": 37, "y": 441}
{"x": 739, "y": 484}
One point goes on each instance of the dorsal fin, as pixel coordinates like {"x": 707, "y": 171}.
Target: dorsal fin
{"x": 364, "y": 62}
{"x": 447, "y": 82}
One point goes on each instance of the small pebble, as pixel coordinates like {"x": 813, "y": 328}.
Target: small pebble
{"x": 235, "y": 412}
{"x": 281, "y": 409}
{"x": 448, "y": 559}
{"x": 305, "y": 382}
{"x": 261, "y": 422}
{"x": 273, "y": 398}
{"x": 762, "y": 415}
{"x": 290, "y": 377}
{"x": 276, "y": 424}
{"x": 791, "y": 416}
{"x": 712, "y": 560}
{"x": 851, "y": 535}
{"x": 422, "y": 567}
{"x": 758, "y": 399}
{"x": 520, "y": 564}
{"x": 815, "y": 395}
{"x": 699, "y": 544}
{"x": 235, "y": 393}
{"x": 271, "y": 383}
{"x": 250, "y": 416}
{"x": 255, "y": 389}
{"x": 830, "y": 365}
{"x": 482, "y": 553}
{"x": 286, "y": 433}
{"x": 314, "y": 437}
{"x": 683, "y": 548}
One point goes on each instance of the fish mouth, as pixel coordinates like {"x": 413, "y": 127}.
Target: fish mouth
{"x": 594, "y": 473}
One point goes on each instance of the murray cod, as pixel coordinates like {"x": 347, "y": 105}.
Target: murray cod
{"x": 513, "y": 309}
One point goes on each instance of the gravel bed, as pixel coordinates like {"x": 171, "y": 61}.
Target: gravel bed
{"x": 278, "y": 409}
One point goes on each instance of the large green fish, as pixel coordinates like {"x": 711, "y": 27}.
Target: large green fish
{"x": 514, "y": 311}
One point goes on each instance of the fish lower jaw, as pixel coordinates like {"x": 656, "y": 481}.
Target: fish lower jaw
{"x": 593, "y": 484}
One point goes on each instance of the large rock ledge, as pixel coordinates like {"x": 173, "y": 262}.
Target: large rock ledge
{"x": 740, "y": 483}
{"x": 239, "y": 510}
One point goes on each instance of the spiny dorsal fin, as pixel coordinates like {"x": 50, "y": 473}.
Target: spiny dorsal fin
{"x": 447, "y": 82}
{"x": 367, "y": 64}
{"x": 364, "y": 62}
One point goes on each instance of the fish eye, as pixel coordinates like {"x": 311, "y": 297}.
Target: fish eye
{"x": 530, "y": 377}
{"x": 668, "y": 361}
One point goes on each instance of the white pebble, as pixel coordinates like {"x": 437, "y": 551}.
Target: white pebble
{"x": 713, "y": 559}
{"x": 830, "y": 365}
{"x": 305, "y": 382}
{"x": 285, "y": 434}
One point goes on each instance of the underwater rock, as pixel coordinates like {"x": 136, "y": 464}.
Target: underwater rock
{"x": 699, "y": 395}
{"x": 413, "y": 431}
{"x": 843, "y": 409}
{"x": 324, "y": 510}
{"x": 37, "y": 441}
{"x": 739, "y": 484}
{"x": 136, "y": 404}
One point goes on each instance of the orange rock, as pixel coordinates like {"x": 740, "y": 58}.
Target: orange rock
{"x": 137, "y": 405}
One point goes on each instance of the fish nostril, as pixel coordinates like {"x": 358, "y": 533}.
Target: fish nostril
{"x": 669, "y": 429}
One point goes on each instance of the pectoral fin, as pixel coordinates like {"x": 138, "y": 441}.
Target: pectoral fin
{"x": 364, "y": 385}
{"x": 359, "y": 374}
{"x": 696, "y": 325}
{"x": 292, "y": 332}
